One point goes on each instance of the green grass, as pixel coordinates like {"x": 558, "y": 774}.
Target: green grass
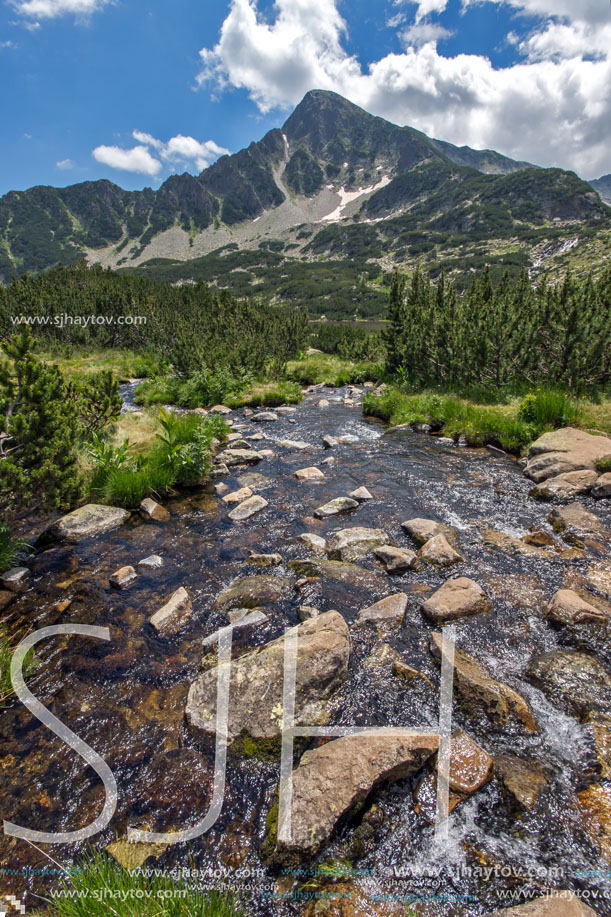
{"x": 101, "y": 888}
{"x": 332, "y": 370}
{"x": 177, "y": 451}
{"x": 30, "y": 663}
{"x": 9, "y": 548}
{"x": 511, "y": 425}
{"x": 603, "y": 465}
{"x": 124, "y": 364}
{"x": 268, "y": 394}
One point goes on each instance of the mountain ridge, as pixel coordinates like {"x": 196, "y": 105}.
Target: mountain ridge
{"x": 333, "y": 181}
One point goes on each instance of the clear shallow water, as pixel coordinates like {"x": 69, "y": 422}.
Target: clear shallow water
{"x": 126, "y": 698}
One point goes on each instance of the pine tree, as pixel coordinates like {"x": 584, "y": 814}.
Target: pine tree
{"x": 38, "y": 459}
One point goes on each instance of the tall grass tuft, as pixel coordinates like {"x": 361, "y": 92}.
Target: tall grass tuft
{"x": 30, "y": 663}
{"x": 549, "y": 407}
{"x": 101, "y": 888}
{"x": 9, "y": 548}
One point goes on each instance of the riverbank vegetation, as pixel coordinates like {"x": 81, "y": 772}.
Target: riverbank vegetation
{"x": 498, "y": 364}
{"x": 98, "y": 886}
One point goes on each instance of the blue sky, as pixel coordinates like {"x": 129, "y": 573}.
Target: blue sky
{"x": 133, "y": 91}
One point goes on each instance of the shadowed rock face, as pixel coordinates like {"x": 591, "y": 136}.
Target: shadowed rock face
{"x": 256, "y": 685}
{"x": 573, "y": 681}
{"x": 480, "y": 693}
{"x": 331, "y": 780}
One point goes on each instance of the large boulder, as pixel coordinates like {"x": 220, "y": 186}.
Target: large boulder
{"x": 387, "y": 612}
{"x": 86, "y": 522}
{"x": 568, "y": 607}
{"x": 334, "y": 507}
{"x": 457, "y": 598}
{"x": 575, "y": 682}
{"x": 254, "y": 592}
{"x": 565, "y": 450}
{"x": 577, "y": 524}
{"x": 478, "y": 692}
{"x": 354, "y": 543}
{"x": 565, "y": 487}
{"x": 170, "y": 618}
{"x": 350, "y": 574}
{"x": 422, "y": 530}
{"x": 257, "y": 679}
{"x": 331, "y": 780}
{"x": 439, "y": 552}
{"x": 231, "y": 457}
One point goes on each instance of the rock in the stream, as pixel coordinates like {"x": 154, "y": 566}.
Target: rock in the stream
{"x": 565, "y": 450}
{"x": 388, "y": 612}
{"x": 470, "y": 766}
{"x": 567, "y": 607}
{"x": 600, "y": 724}
{"x": 323, "y": 403}
{"x": 286, "y": 410}
{"x": 575, "y": 682}
{"x": 231, "y": 457}
{"x": 171, "y": 616}
{"x": 309, "y": 474}
{"x": 237, "y": 496}
{"x": 264, "y": 417}
{"x": 595, "y": 806}
{"x": 256, "y": 437}
{"x": 350, "y": 574}
{"x": 221, "y": 489}
{"x": 123, "y": 577}
{"x": 244, "y": 620}
{"x": 330, "y": 442}
{"x": 86, "y": 522}
{"x": 422, "y": 530}
{"x": 480, "y": 693}
{"x": 6, "y": 597}
{"x": 254, "y": 592}
{"x": 256, "y": 685}
{"x": 602, "y": 488}
{"x": 439, "y": 552}
{"x": 396, "y": 560}
{"x": 153, "y": 561}
{"x": 560, "y": 904}
{"x": 354, "y": 543}
{"x": 248, "y": 508}
{"x": 577, "y": 524}
{"x": 331, "y": 780}
{"x": 361, "y": 494}
{"x": 523, "y": 780}
{"x": 16, "y": 579}
{"x": 219, "y": 409}
{"x": 315, "y": 543}
{"x": 307, "y": 612}
{"x": 150, "y": 509}
{"x": 384, "y": 655}
{"x": 264, "y": 560}
{"x": 219, "y": 471}
{"x": 565, "y": 487}
{"x": 457, "y": 598}
{"x": 298, "y": 444}
{"x": 510, "y": 545}
{"x": 334, "y": 507}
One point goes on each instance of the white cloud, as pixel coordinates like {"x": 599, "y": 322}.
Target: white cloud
{"x": 422, "y": 33}
{"x": 52, "y": 9}
{"x": 65, "y": 164}
{"x": 185, "y": 152}
{"x": 5, "y": 45}
{"x": 552, "y": 108}
{"x": 138, "y": 159}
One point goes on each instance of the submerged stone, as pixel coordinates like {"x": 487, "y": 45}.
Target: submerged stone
{"x": 254, "y": 591}
{"x": 171, "y": 616}
{"x": 573, "y": 681}
{"x": 354, "y": 543}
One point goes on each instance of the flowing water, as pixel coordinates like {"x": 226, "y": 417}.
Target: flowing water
{"x": 126, "y": 698}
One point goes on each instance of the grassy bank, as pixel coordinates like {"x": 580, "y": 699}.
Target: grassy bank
{"x": 123, "y": 364}
{"x": 100, "y": 888}
{"x": 511, "y": 424}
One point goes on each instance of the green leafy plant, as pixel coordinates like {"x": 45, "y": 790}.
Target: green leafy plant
{"x": 30, "y": 663}
{"x": 99, "y": 887}
{"x": 9, "y": 547}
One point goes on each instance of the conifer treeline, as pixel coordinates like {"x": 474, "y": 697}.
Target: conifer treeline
{"x": 192, "y": 325}
{"x": 498, "y": 335}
